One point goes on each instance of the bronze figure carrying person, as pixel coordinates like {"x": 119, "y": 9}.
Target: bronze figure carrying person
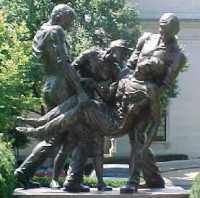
{"x": 52, "y": 51}
{"x": 101, "y": 67}
{"x": 133, "y": 99}
{"x": 163, "y": 51}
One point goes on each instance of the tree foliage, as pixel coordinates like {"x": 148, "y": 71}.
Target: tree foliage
{"x": 116, "y": 19}
{"x": 15, "y": 86}
{"x": 32, "y": 12}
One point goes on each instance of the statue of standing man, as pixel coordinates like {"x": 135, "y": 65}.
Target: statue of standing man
{"x": 52, "y": 51}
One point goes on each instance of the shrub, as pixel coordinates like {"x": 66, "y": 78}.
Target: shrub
{"x": 195, "y": 191}
{"x": 7, "y": 162}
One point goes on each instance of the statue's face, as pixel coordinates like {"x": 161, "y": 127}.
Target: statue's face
{"x": 169, "y": 26}
{"x": 66, "y": 21}
{"x": 166, "y": 32}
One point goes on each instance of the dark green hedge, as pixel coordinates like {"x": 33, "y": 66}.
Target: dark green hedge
{"x": 45, "y": 181}
{"x": 7, "y": 179}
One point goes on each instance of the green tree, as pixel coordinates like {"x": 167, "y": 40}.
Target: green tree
{"x": 32, "y": 12}
{"x": 15, "y": 86}
{"x": 118, "y": 20}
{"x": 113, "y": 16}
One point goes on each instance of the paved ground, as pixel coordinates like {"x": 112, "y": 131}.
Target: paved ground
{"x": 181, "y": 178}
{"x": 180, "y": 173}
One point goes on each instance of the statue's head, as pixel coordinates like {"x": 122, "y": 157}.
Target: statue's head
{"x": 62, "y": 15}
{"x": 119, "y": 50}
{"x": 101, "y": 37}
{"x": 169, "y": 25}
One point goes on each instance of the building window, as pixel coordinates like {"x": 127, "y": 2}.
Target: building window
{"x": 161, "y": 133}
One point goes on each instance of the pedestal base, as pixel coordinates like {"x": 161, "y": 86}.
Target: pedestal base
{"x": 168, "y": 192}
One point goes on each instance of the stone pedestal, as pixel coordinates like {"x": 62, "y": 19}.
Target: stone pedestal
{"x": 168, "y": 192}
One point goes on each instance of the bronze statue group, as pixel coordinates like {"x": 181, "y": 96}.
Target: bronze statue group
{"x": 102, "y": 93}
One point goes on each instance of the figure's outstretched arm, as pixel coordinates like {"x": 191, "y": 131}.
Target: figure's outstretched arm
{"x": 56, "y": 126}
{"x": 60, "y": 109}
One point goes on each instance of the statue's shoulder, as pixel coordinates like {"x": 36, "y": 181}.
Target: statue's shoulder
{"x": 151, "y": 36}
{"x": 51, "y": 30}
{"x": 92, "y": 52}
{"x": 178, "y": 48}
{"x": 178, "y": 51}
{"x": 57, "y": 31}
{"x": 144, "y": 37}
